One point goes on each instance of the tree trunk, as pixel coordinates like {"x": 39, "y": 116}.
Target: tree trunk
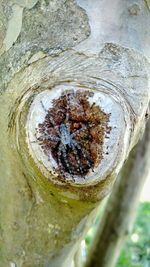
{"x": 50, "y": 48}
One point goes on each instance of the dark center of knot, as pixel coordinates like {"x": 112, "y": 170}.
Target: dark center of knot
{"x": 73, "y": 132}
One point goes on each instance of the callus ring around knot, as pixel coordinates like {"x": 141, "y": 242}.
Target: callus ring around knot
{"x": 66, "y": 129}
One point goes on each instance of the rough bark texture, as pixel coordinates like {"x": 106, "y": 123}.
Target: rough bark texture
{"x": 121, "y": 207}
{"x": 47, "y": 43}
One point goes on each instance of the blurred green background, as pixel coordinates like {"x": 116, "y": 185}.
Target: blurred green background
{"x": 136, "y": 250}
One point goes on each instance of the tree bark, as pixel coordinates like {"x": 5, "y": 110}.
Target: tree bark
{"x": 121, "y": 207}
{"x": 57, "y": 44}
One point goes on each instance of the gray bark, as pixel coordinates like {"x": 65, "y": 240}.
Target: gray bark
{"x": 48, "y": 43}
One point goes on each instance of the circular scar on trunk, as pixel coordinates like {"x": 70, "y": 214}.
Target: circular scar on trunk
{"x": 73, "y": 135}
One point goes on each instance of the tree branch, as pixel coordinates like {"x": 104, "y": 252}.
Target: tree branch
{"x": 121, "y": 207}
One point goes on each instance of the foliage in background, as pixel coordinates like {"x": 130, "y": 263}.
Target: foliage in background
{"x": 136, "y": 251}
